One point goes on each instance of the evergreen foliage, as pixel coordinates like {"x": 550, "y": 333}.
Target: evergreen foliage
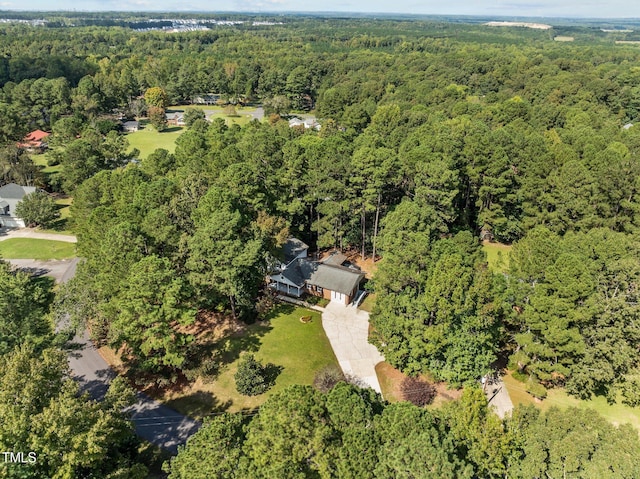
{"x": 252, "y": 378}
{"x": 37, "y": 209}
{"x": 348, "y": 432}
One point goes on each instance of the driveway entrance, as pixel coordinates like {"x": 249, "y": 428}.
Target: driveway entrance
{"x": 347, "y": 328}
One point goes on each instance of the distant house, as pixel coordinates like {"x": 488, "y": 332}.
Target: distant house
{"x": 627, "y": 126}
{"x": 10, "y": 195}
{"x": 35, "y": 141}
{"x": 206, "y": 99}
{"x": 307, "y": 123}
{"x": 330, "y": 279}
{"x": 130, "y": 126}
{"x": 175, "y": 118}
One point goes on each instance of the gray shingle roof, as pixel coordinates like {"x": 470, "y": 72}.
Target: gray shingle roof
{"x": 336, "y": 278}
{"x": 11, "y": 194}
{"x": 292, "y": 248}
{"x": 11, "y": 191}
{"x": 335, "y": 258}
{"x": 299, "y": 271}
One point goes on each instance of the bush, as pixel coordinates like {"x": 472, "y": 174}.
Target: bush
{"x": 252, "y": 378}
{"x": 191, "y": 115}
{"x": 230, "y": 110}
{"x": 417, "y": 392}
{"x": 536, "y": 389}
{"x": 37, "y": 209}
{"x": 327, "y": 378}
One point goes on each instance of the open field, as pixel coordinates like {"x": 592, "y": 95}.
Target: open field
{"x": 244, "y": 113}
{"x": 497, "y": 256}
{"x": 15, "y": 248}
{"x": 300, "y": 350}
{"x": 615, "y": 413}
{"x": 148, "y": 139}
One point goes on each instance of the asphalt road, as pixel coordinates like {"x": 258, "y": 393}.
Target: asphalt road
{"x": 155, "y": 422}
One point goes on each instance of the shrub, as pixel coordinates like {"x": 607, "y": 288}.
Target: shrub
{"x": 230, "y": 110}
{"x": 417, "y": 391}
{"x": 536, "y": 389}
{"x": 327, "y": 378}
{"x": 252, "y": 378}
{"x": 191, "y": 115}
{"x": 37, "y": 209}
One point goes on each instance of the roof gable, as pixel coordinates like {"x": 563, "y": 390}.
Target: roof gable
{"x": 15, "y": 192}
{"x": 36, "y": 135}
{"x": 336, "y": 278}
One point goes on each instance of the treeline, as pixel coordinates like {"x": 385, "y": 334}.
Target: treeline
{"x": 350, "y": 433}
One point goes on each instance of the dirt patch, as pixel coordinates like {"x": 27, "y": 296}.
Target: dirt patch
{"x": 391, "y": 378}
{"x": 112, "y": 358}
{"x": 368, "y": 266}
{"x": 210, "y": 327}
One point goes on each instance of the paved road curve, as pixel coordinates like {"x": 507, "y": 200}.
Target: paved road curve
{"x": 153, "y": 421}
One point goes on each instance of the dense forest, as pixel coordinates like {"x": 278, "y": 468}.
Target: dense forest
{"x": 350, "y": 433}
{"x": 427, "y": 141}
{"x": 434, "y": 136}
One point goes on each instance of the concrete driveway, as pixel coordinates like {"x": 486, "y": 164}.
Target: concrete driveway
{"x": 59, "y": 270}
{"x": 8, "y": 233}
{"x": 347, "y": 328}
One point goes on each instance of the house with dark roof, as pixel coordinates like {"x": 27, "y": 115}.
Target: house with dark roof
{"x": 10, "y": 195}
{"x": 331, "y": 278}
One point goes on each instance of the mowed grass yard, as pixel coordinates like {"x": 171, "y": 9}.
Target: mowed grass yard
{"x": 616, "y": 413}
{"x": 149, "y": 140}
{"x": 299, "y": 349}
{"x": 243, "y": 116}
{"x": 497, "y": 256}
{"x": 19, "y": 248}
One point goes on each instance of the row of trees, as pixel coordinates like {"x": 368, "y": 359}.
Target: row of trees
{"x": 349, "y": 433}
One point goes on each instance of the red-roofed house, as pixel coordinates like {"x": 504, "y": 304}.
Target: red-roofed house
{"x": 35, "y": 140}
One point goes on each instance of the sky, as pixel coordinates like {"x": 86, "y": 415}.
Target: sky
{"x": 529, "y": 8}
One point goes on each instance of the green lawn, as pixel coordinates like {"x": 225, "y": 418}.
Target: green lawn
{"x": 61, "y": 224}
{"x": 299, "y": 349}
{"x": 148, "y": 139}
{"x": 497, "y": 256}
{"x": 243, "y": 117}
{"x": 368, "y": 303}
{"x": 615, "y": 413}
{"x": 41, "y": 160}
{"x": 15, "y": 248}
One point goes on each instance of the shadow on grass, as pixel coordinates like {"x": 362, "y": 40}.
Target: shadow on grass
{"x": 271, "y": 373}
{"x": 284, "y": 308}
{"x": 198, "y": 404}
